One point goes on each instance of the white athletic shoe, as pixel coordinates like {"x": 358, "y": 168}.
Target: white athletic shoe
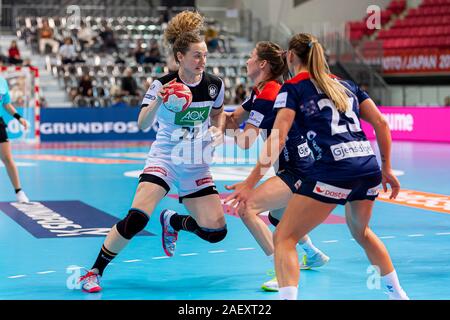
{"x": 397, "y": 295}
{"x": 271, "y": 285}
{"x": 169, "y": 235}
{"x": 315, "y": 261}
{"x": 91, "y": 282}
{"x": 22, "y": 197}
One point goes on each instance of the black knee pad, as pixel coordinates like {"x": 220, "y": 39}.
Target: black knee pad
{"x": 273, "y": 221}
{"x": 212, "y": 235}
{"x": 132, "y": 224}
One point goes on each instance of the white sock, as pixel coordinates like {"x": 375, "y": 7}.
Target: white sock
{"x": 393, "y": 287}
{"x": 288, "y": 293}
{"x": 309, "y": 248}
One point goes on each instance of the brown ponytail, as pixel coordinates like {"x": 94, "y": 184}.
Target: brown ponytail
{"x": 311, "y": 54}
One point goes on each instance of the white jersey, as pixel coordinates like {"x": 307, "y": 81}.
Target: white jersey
{"x": 185, "y": 134}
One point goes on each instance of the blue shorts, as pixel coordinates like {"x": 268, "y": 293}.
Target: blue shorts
{"x": 339, "y": 192}
{"x": 292, "y": 177}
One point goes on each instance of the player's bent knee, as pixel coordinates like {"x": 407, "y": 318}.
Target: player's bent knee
{"x": 212, "y": 235}
{"x": 132, "y": 224}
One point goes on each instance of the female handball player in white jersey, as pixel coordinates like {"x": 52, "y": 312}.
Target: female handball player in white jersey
{"x": 179, "y": 156}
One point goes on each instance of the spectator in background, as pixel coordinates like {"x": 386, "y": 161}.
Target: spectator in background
{"x": 447, "y": 101}
{"x": 85, "y": 86}
{"x": 86, "y": 36}
{"x": 212, "y": 39}
{"x": 139, "y": 52}
{"x": 239, "y": 94}
{"x": 129, "y": 84}
{"x": 108, "y": 38}
{"x": 46, "y": 36}
{"x": 3, "y": 58}
{"x": 67, "y": 51}
{"x": 118, "y": 102}
{"x": 154, "y": 54}
{"x": 14, "y": 53}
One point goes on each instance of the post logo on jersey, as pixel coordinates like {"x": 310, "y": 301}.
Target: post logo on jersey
{"x": 192, "y": 116}
{"x": 351, "y": 149}
{"x": 303, "y": 150}
{"x": 329, "y": 191}
{"x": 280, "y": 102}
{"x": 255, "y": 118}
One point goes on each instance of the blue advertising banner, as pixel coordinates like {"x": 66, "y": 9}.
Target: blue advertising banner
{"x": 91, "y": 124}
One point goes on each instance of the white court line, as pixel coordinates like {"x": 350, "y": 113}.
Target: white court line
{"x": 443, "y": 233}
{"x": 352, "y": 239}
{"x": 244, "y": 249}
{"x": 330, "y": 241}
{"x": 188, "y": 254}
{"x": 18, "y": 276}
{"x": 45, "y": 272}
{"x": 387, "y": 237}
{"x": 74, "y": 268}
{"x": 217, "y": 251}
{"x": 163, "y": 257}
{"x": 130, "y": 261}
{"x": 416, "y": 235}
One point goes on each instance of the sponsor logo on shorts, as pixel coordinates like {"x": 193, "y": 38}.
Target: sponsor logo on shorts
{"x": 373, "y": 191}
{"x": 156, "y": 169}
{"x": 303, "y": 150}
{"x": 280, "y": 102}
{"x": 255, "y": 118}
{"x": 298, "y": 184}
{"x": 351, "y": 149}
{"x": 203, "y": 181}
{"x": 329, "y": 191}
{"x": 61, "y": 219}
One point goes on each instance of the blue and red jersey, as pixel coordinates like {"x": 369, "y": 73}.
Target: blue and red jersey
{"x": 262, "y": 115}
{"x": 340, "y": 147}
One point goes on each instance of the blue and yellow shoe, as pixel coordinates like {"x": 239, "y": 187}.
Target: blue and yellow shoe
{"x": 315, "y": 261}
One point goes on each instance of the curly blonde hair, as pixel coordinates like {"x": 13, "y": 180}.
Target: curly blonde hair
{"x": 183, "y": 29}
{"x": 185, "y": 21}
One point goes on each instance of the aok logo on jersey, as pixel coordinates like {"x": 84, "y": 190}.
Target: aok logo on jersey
{"x": 192, "y": 116}
{"x": 61, "y": 219}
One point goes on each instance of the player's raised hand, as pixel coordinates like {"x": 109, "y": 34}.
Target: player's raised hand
{"x": 162, "y": 91}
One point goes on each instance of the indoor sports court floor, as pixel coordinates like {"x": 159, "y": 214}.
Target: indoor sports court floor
{"x": 92, "y": 184}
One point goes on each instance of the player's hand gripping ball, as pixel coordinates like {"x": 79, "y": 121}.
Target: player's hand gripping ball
{"x": 177, "y": 97}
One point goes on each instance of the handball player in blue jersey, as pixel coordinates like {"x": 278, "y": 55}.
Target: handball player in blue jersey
{"x": 265, "y": 68}
{"x": 5, "y": 145}
{"x": 345, "y": 171}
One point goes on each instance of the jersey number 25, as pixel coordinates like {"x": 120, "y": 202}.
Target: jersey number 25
{"x": 335, "y": 127}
